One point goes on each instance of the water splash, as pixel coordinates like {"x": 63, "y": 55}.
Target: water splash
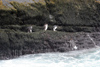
{"x": 92, "y": 40}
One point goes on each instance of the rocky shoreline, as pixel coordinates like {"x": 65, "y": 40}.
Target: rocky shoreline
{"x": 15, "y": 43}
{"x": 77, "y": 20}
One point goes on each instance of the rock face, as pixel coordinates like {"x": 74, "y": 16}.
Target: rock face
{"x": 74, "y": 18}
{"x": 63, "y": 12}
{"x": 16, "y": 43}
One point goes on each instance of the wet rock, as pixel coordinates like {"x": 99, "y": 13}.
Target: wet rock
{"x": 14, "y": 43}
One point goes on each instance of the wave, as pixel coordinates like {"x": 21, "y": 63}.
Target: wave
{"x": 82, "y": 58}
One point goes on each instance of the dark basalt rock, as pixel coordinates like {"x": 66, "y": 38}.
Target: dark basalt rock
{"x": 15, "y": 43}
{"x": 64, "y": 13}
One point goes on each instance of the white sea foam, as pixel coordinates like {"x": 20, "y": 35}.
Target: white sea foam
{"x": 83, "y": 58}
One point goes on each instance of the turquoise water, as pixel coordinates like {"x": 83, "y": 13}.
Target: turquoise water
{"x": 83, "y": 58}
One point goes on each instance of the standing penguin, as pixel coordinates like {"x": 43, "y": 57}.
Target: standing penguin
{"x": 45, "y": 27}
{"x": 29, "y": 29}
{"x": 72, "y": 43}
{"x": 55, "y": 27}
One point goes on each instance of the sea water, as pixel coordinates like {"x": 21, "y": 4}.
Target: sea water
{"x": 83, "y": 58}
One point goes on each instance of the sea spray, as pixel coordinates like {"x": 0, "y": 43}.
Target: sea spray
{"x": 91, "y": 39}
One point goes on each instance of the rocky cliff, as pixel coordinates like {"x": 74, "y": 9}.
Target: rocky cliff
{"x": 62, "y": 12}
{"x": 16, "y": 41}
{"x": 75, "y": 19}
